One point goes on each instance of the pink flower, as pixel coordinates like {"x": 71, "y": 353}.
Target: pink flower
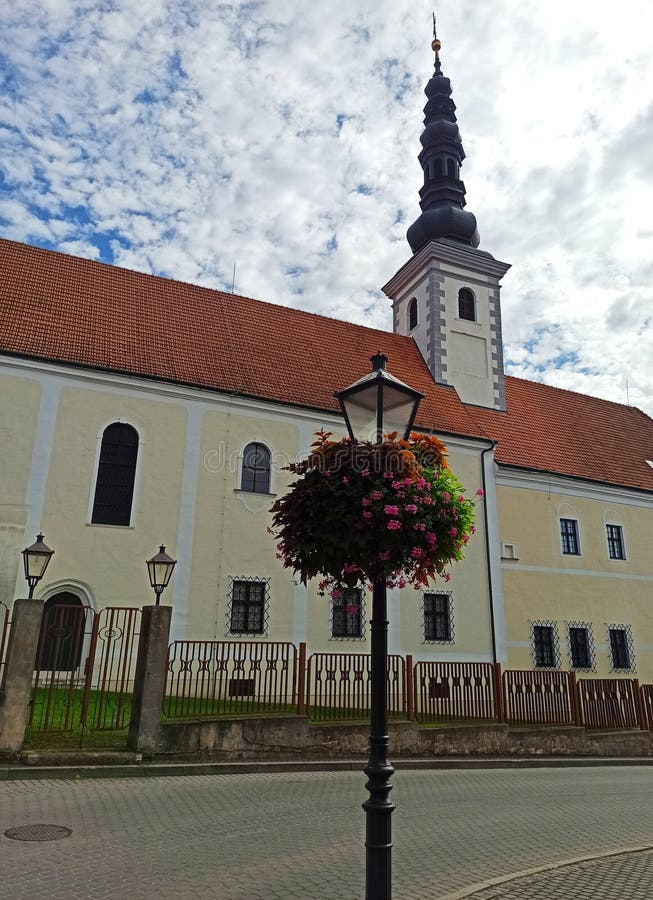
{"x": 416, "y": 553}
{"x": 384, "y": 555}
{"x": 345, "y": 480}
{"x": 322, "y": 585}
{"x": 410, "y": 508}
{"x": 391, "y": 510}
{"x": 401, "y": 583}
{"x": 453, "y": 532}
{"x": 447, "y": 576}
{"x": 334, "y": 593}
{"x": 473, "y": 529}
{"x": 408, "y": 480}
{"x": 393, "y": 525}
{"x": 376, "y": 495}
{"x": 446, "y": 496}
{"x": 421, "y": 482}
{"x": 461, "y": 499}
{"x": 431, "y": 539}
{"x": 366, "y": 502}
{"x": 479, "y": 493}
{"x": 365, "y": 473}
{"x": 388, "y": 475}
{"x": 397, "y": 485}
{"x": 419, "y": 526}
{"x": 349, "y": 568}
{"x": 367, "y": 515}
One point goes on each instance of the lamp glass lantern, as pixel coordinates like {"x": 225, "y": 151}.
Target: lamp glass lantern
{"x": 35, "y": 561}
{"x": 378, "y": 404}
{"x": 160, "y": 569}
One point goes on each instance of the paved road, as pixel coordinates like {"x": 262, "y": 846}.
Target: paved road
{"x": 282, "y": 836}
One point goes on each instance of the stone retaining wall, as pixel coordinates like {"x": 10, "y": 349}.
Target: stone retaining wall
{"x": 292, "y": 737}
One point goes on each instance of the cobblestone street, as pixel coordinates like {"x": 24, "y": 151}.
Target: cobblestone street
{"x": 278, "y": 836}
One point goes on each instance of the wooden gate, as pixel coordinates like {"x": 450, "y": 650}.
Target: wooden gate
{"x": 83, "y": 680}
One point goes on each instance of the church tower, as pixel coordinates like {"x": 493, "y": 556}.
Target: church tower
{"x": 447, "y": 295}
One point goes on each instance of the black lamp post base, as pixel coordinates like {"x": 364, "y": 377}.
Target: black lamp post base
{"x": 378, "y": 832}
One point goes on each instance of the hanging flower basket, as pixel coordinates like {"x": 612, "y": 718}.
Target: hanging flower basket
{"x": 360, "y": 512}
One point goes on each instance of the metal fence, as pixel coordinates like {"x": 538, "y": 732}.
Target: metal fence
{"x": 338, "y": 686}
{"x": 5, "y": 624}
{"x": 448, "y": 692}
{"x": 539, "y": 697}
{"x": 609, "y": 702}
{"x": 647, "y": 704}
{"x": 212, "y": 678}
{"x": 84, "y": 670}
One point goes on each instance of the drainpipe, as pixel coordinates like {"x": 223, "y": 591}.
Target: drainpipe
{"x": 487, "y": 551}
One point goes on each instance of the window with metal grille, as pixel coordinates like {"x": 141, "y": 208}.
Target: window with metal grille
{"x": 114, "y": 485}
{"x": 466, "y": 305}
{"x": 569, "y": 537}
{"x": 615, "y": 542}
{"x": 619, "y": 649}
{"x": 248, "y": 607}
{"x": 412, "y": 314}
{"x": 437, "y": 617}
{"x": 544, "y": 646}
{"x": 347, "y": 614}
{"x": 579, "y": 647}
{"x": 256, "y": 469}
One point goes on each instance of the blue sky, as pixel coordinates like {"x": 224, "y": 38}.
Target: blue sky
{"x": 178, "y": 137}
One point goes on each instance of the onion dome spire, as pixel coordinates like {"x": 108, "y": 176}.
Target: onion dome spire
{"x": 442, "y": 197}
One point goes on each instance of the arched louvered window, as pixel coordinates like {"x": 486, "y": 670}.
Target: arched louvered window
{"x": 412, "y": 314}
{"x": 438, "y": 168}
{"x": 451, "y": 168}
{"x": 466, "y": 305}
{"x": 256, "y": 469}
{"x": 114, "y": 485}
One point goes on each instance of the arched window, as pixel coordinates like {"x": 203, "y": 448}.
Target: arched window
{"x": 412, "y": 314}
{"x": 114, "y": 485}
{"x": 438, "y": 168}
{"x": 256, "y": 469}
{"x": 466, "y": 305}
{"x": 62, "y": 633}
{"x": 451, "y": 168}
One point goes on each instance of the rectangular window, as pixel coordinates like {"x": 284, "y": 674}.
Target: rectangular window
{"x": 347, "y": 614}
{"x": 247, "y": 607}
{"x": 579, "y": 647}
{"x": 437, "y": 617}
{"x": 619, "y": 648}
{"x": 615, "y": 542}
{"x": 544, "y": 646}
{"x": 569, "y": 537}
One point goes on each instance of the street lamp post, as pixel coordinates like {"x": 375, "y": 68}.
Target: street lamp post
{"x": 35, "y": 560}
{"x": 375, "y": 405}
{"x": 160, "y": 571}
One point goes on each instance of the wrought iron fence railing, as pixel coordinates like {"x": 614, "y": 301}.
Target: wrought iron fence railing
{"x": 210, "y": 678}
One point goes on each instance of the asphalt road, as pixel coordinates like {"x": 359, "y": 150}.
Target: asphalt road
{"x": 278, "y": 836}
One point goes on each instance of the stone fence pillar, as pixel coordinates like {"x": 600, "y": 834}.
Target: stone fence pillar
{"x": 150, "y": 679}
{"x": 16, "y": 689}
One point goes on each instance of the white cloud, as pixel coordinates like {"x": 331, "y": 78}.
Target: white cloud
{"x": 194, "y": 134}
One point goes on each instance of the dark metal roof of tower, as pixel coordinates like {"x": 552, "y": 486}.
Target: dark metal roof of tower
{"x": 442, "y": 197}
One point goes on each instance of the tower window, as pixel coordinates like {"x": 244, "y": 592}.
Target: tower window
{"x": 114, "y": 485}
{"x": 412, "y": 314}
{"x": 438, "y": 168}
{"x": 466, "y": 305}
{"x": 451, "y": 168}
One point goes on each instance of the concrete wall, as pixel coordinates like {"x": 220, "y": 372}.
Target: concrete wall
{"x": 292, "y": 737}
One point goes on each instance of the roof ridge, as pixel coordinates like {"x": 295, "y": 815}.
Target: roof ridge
{"x": 553, "y": 387}
{"x": 224, "y": 295}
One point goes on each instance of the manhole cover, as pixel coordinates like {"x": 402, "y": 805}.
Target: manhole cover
{"x": 38, "y": 832}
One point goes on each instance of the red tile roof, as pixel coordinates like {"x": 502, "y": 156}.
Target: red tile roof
{"x": 79, "y": 312}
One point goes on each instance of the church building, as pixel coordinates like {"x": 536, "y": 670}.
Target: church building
{"x": 139, "y": 411}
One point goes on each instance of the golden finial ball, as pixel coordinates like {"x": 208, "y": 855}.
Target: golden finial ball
{"x": 436, "y": 45}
